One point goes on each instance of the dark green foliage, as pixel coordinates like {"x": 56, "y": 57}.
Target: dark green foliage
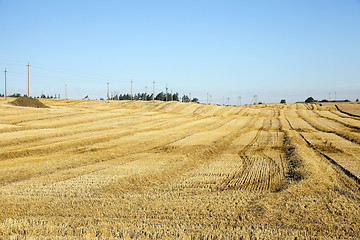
{"x": 310, "y": 100}
{"x": 149, "y": 97}
{"x": 185, "y": 98}
{"x": 15, "y": 95}
{"x": 195, "y": 100}
{"x": 282, "y": 101}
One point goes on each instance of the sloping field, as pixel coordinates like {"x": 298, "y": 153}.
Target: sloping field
{"x": 121, "y": 169}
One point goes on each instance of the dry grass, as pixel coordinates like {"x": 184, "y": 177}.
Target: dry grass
{"x": 347, "y": 107}
{"x": 92, "y": 169}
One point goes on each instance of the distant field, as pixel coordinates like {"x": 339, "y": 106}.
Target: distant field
{"x": 349, "y": 107}
{"x": 93, "y": 169}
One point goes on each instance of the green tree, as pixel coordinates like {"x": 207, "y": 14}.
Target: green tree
{"x": 283, "y": 101}
{"x": 310, "y": 100}
{"x": 185, "y": 98}
{"x": 195, "y": 100}
{"x": 160, "y": 96}
{"x": 176, "y": 96}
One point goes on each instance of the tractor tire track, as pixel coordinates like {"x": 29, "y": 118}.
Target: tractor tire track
{"x": 331, "y": 160}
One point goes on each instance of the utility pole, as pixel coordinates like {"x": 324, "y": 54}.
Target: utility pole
{"x": 172, "y": 99}
{"x": 28, "y": 92}
{"x": 131, "y": 90}
{"x": 5, "y": 84}
{"x": 223, "y": 100}
{"x": 166, "y": 93}
{"x": 207, "y": 98}
{"x": 210, "y": 99}
{"x": 153, "y": 90}
{"x": 108, "y": 91}
{"x": 239, "y": 101}
{"x": 329, "y": 96}
{"x": 145, "y": 92}
{"x": 255, "y": 99}
{"x": 189, "y": 97}
{"x": 65, "y": 91}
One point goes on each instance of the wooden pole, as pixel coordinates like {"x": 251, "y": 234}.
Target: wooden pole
{"x": 131, "y": 90}
{"x": 166, "y": 96}
{"x": 153, "y": 90}
{"x": 108, "y": 96}
{"x": 145, "y": 93}
{"x": 5, "y": 84}
{"x": 28, "y": 90}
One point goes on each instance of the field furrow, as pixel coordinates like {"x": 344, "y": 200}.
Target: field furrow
{"x": 330, "y": 127}
{"x": 169, "y": 170}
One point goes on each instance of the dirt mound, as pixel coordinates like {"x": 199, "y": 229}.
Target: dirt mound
{"x": 28, "y": 102}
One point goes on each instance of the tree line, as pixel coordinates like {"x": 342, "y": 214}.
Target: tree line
{"x": 149, "y": 97}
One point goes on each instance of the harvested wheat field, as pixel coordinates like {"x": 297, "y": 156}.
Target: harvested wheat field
{"x": 121, "y": 169}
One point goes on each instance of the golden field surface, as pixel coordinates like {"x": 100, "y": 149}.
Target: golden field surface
{"x": 121, "y": 169}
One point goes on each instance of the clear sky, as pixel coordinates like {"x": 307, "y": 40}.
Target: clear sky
{"x": 278, "y": 49}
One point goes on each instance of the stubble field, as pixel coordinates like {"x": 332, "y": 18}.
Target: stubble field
{"x": 93, "y": 169}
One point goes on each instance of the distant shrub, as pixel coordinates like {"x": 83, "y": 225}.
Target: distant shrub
{"x": 310, "y": 100}
{"x": 15, "y": 95}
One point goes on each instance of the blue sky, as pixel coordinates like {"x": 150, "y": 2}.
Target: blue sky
{"x": 274, "y": 49}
